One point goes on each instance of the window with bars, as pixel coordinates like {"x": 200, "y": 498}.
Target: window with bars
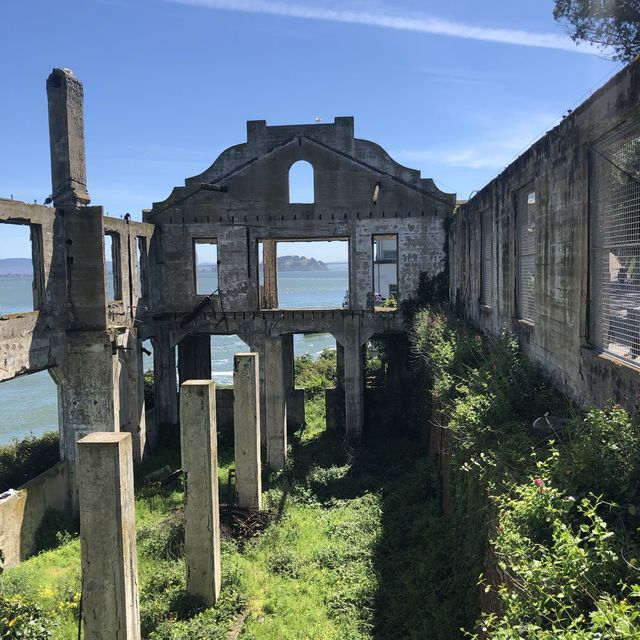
{"x": 486, "y": 259}
{"x": 526, "y": 210}
{"x": 615, "y": 243}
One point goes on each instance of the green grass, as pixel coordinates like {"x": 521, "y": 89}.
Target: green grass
{"x": 359, "y": 551}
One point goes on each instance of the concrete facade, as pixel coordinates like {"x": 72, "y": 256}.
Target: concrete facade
{"x": 565, "y": 287}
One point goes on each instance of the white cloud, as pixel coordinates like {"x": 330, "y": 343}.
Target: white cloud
{"x": 491, "y": 147}
{"x": 365, "y": 14}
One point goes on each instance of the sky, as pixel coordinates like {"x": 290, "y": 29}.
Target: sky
{"x": 455, "y": 89}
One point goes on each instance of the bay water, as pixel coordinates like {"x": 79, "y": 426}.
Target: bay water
{"x": 29, "y": 404}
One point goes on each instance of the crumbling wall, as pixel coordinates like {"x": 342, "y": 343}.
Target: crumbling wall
{"x": 558, "y": 170}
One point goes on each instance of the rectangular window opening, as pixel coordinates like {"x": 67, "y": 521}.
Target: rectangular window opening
{"x": 21, "y": 268}
{"x": 20, "y": 417}
{"x": 205, "y": 261}
{"x": 113, "y": 282}
{"x": 304, "y": 274}
{"x": 615, "y": 291}
{"x": 385, "y": 271}
{"x": 526, "y": 211}
{"x": 486, "y": 258}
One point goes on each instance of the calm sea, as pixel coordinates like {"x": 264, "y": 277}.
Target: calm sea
{"x": 29, "y": 404}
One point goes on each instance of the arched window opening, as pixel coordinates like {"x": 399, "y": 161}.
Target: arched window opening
{"x": 301, "y": 189}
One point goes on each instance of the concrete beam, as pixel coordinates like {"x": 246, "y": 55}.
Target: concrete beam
{"x": 199, "y": 448}
{"x": 110, "y": 606}
{"x": 246, "y": 412}
{"x": 276, "y": 403}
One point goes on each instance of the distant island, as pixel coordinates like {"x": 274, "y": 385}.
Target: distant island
{"x": 285, "y": 263}
{"x": 300, "y": 263}
{"x": 16, "y": 267}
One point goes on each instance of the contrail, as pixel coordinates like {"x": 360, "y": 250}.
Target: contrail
{"x": 416, "y": 23}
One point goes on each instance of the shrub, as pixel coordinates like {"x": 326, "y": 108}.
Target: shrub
{"x": 164, "y": 540}
{"x": 23, "y": 460}
{"x": 23, "y": 620}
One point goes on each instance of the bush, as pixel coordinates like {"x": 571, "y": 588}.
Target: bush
{"x": 164, "y": 540}
{"x": 315, "y": 375}
{"x": 23, "y": 620}
{"x": 23, "y": 460}
{"x": 149, "y": 390}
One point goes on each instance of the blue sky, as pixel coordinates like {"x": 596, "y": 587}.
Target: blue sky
{"x": 455, "y": 89}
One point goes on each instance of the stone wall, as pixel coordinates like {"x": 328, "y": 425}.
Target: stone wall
{"x": 22, "y": 513}
{"x": 558, "y": 169}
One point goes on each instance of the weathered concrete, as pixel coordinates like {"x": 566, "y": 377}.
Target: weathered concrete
{"x": 276, "y": 404}
{"x": 66, "y": 131}
{"x": 353, "y": 379}
{"x": 22, "y": 513}
{"x": 246, "y": 409}
{"x": 559, "y": 170}
{"x": 194, "y": 358}
{"x": 199, "y": 448}
{"x": 110, "y": 607}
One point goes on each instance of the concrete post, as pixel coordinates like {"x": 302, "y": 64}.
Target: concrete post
{"x": 66, "y": 134}
{"x": 276, "y": 403}
{"x": 164, "y": 379}
{"x": 194, "y": 358}
{"x": 200, "y": 466}
{"x": 246, "y": 429}
{"x": 256, "y": 344}
{"x": 353, "y": 378}
{"x": 270, "y": 262}
{"x": 110, "y": 606}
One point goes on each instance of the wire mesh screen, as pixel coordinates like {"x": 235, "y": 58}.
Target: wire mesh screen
{"x": 486, "y": 231}
{"x": 526, "y": 254}
{"x": 616, "y": 244}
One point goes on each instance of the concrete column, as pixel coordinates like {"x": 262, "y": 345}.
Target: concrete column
{"x": 200, "y": 466}
{"x": 287, "y": 362}
{"x": 66, "y": 133}
{"x": 246, "y": 429}
{"x": 194, "y": 358}
{"x": 270, "y": 261}
{"x": 276, "y": 403}
{"x": 256, "y": 344}
{"x": 110, "y": 607}
{"x": 164, "y": 379}
{"x": 353, "y": 378}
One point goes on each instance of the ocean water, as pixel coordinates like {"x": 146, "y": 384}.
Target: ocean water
{"x": 29, "y": 404}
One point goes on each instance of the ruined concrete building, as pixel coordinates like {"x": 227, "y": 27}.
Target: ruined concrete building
{"x": 550, "y": 249}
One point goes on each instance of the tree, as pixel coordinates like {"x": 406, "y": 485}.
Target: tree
{"x": 612, "y": 25}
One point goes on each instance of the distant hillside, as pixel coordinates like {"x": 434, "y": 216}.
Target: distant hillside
{"x": 15, "y": 267}
{"x": 300, "y": 263}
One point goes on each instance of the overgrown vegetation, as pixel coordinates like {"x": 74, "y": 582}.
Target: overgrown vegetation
{"x": 560, "y": 512}
{"x": 24, "y": 459}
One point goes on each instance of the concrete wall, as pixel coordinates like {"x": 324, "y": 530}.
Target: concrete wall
{"x": 557, "y": 168}
{"x": 21, "y": 513}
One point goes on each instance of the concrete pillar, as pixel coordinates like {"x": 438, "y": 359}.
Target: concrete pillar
{"x": 270, "y": 262}
{"x": 276, "y": 403}
{"x": 246, "y": 429}
{"x": 353, "y": 378}
{"x": 66, "y": 134}
{"x": 194, "y": 358}
{"x": 256, "y": 344}
{"x": 164, "y": 379}
{"x": 287, "y": 362}
{"x": 200, "y": 466}
{"x": 110, "y": 607}
{"x": 130, "y": 390}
